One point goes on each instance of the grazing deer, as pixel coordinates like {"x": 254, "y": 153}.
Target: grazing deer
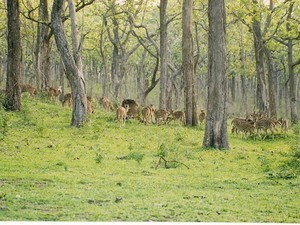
{"x": 121, "y": 114}
{"x": 67, "y": 99}
{"x": 161, "y": 115}
{"x": 178, "y": 115}
{"x": 28, "y": 88}
{"x": 202, "y": 116}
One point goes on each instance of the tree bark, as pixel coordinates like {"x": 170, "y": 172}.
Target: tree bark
{"x": 271, "y": 82}
{"x": 291, "y": 72}
{"x": 73, "y": 73}
{"x": 216, "y": 120}
{"x": 188, "y": 64}
{"x": 75, "y": 42}
{"x": 262, "y": 99}
{"x": 13, "y": 92}
{"x": 163, "y": 54}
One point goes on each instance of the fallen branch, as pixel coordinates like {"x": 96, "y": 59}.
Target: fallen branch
{"x": 166, "y": 162}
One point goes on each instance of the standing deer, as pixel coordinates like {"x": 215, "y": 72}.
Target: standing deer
{"x": 53, "y": 93}
{"x": 28, "y": 88}
{"x": 147, "y": 114}
{"x": 121, "y": 114}
{"x": 106, "y": 104}
{"x": 178, "y": 115}
{"x": 161, "y": 115}
{"x": 202, "y": 116}
{"x": 67, "y": 99}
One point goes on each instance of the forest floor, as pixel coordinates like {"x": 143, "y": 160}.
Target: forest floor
{"x": 50, "y": 171}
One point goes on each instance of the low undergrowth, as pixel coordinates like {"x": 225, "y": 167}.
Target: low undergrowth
{"x": 101, "y": 172}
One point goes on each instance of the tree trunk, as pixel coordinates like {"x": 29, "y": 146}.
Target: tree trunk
{"x": 14, "y": 53}
{"x": 75, "y": 42}
{"x": 188, "y": 64}
{"x": 105, "y": 70}
{"x": 43, "y": 51}
{"x": 292, "y": 76}
{"x": 262, "y": 100}
{"x": 244, "y": 103}
{"x": 271, "y": 82}
{"x": 216, "y": 120}
{"x": 74, "y": 75}
{"x": 163, "y": 54}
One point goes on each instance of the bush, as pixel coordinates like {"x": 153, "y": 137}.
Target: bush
{"x": 3, "y": 123}
{"x": 290, "y": 168}
{"x": 296, "y": 129}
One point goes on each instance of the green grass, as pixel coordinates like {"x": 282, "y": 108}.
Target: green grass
{"x": 101, "y": 172}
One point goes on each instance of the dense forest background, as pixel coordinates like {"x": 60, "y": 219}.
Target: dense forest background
{"x": 119, "y": 43}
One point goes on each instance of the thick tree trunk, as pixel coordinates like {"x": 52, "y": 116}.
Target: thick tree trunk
{"x": 271, "y": 83}
{"x": 188, "y": 64}
{"x": 163, "y": 54}
{"x": 14, "y": 53}
{"x": 74, "y": 75}
{"x": 216, "y": 120}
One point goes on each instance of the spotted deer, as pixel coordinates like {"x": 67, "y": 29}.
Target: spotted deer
{"x": 121, "y": 114}
{"x": 28, "y": 88}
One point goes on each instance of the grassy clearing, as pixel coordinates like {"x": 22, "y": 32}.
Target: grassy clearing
{"x": 100, "y": 172}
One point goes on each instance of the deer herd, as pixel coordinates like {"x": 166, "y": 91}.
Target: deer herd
{"x": 254, "y": 123}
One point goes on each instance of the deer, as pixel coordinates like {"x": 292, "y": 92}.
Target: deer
{"x": 133, "y": 112}
{"x": 147, "y": 114}
{"x": 121, "y": 114}
{"x": 202, "y": 116}
{"x": 161, "y": 115}
{"x": 28, "y": 88}
{"x": 67, "y": 99}
{"x": 284, "y": 124}
{"x": 53, "y": 93}
{"x": 106, "y": 104}
{"x": 245, "y": 126}
{"x": 178, "y": 115}
{"x": 265, "y": 124}
{"x": 90, "y": 107}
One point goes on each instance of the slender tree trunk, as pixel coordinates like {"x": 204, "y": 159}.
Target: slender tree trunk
{"x": 62, "y": 81}
{"x": 216, "y": 121}
{"x": 244, "y": 103}
{"x": 188, "y": 64}
{"x": 105, "y": 70}
{"x": 74, "y": 75}
{"x": 292, "y": 76}
{"x": 75, "y": 42}
{"x": 43, "y": 51}
{"x": 14, "y": 53}
{"x": 163, "y": 54}
{"x": 262, "y": 99}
